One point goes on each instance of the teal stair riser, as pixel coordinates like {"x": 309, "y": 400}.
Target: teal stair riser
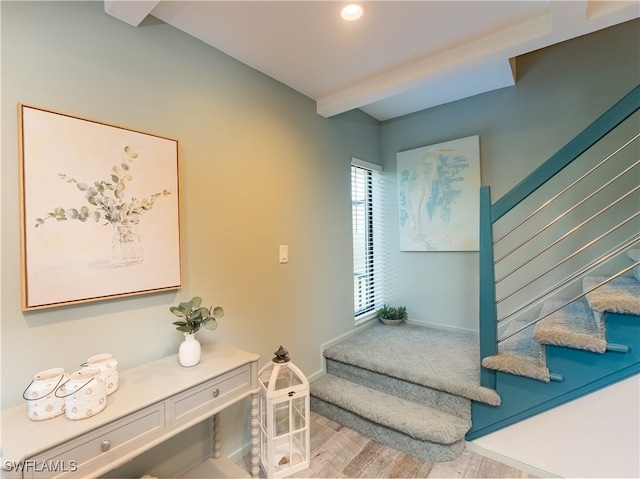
{"x": 623, "y": 329}
{"x": 583, "y": 372}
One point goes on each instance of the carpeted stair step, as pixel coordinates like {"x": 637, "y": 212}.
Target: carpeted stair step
{"x": 571, "y": 325}
{"x": 413, "y": 428}
{"x": 520, "y": 354}
{"x": 443, "y": 401}
{"x": 620, "y": 295}
{"x": 424, "y": 356}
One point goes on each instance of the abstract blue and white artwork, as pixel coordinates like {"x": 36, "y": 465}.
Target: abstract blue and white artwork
{"x": 438, "y": 196}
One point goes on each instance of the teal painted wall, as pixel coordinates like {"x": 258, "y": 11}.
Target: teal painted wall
{"x": 559, "y": 91}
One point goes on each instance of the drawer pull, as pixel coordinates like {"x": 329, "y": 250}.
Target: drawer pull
{"x": 216, "y": 393}
{"x": 106, "y": 445}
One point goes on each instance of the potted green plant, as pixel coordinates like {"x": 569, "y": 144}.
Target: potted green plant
{"x": 194, "y": 316}
{"x": 392, "y": 315}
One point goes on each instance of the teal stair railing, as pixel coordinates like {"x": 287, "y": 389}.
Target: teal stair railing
{"x": 577, "y": 214}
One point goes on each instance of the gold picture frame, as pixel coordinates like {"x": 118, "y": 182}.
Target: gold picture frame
{"x": 100, "y": 210}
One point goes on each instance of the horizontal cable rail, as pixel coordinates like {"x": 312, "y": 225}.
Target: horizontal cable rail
{"x": 580, "y": 224}
{"x": 565, "y": 213}
{"x": 571, "y": 278}
{"x": 582, "y": 295}
{"x": 584, "y": 223}
{"x": 592, "y": 134}
{"x": 567, "y": 188}
{"x": 571, "y": 256}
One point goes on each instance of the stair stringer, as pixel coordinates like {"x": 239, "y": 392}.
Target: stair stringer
{"x": 584, "y": 372}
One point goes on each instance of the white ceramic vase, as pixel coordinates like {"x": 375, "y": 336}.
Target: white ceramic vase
{"x": 189, "y": 351}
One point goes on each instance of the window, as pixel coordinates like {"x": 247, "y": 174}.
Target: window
{"x": 366, "y": 212}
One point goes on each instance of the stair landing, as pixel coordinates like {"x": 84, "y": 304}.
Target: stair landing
{"x": 441, "y": 359}
{"x": 406, "y": 386}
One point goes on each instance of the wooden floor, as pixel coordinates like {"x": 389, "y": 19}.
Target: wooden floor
{"x": 337, "y": 451}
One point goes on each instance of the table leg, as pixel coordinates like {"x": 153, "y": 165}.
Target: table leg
{"x": 255, "y": 430}
{"x": 216, "y": 436}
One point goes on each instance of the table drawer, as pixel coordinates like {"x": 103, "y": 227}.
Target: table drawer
{"x": 201, "y": 400}
{"x": 81, "y": 456}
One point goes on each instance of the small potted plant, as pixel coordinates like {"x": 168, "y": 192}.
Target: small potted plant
{"x": 194, "y": 316}
{"x": 392, "y": 315}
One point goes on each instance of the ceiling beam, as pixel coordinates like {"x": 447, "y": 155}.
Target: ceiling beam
{"x": 500, "y": 45}
{"x": 130, "y": 11}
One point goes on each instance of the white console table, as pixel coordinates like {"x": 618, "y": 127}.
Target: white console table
{"x": 154, "y": 402}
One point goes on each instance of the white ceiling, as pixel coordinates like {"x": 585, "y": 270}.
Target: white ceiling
{"x": 400, "y": 57}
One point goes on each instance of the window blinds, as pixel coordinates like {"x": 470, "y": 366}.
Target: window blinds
{"x": 367, "y": 211}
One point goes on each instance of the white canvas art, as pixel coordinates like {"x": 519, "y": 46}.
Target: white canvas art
{"x": 438, "y": 196}
{"x": 100, "y": 210}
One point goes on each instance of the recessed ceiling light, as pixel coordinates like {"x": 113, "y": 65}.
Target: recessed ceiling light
{"x": 352, "y": 12}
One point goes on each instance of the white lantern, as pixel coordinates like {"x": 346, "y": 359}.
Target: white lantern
{"x": 284, "y": 417}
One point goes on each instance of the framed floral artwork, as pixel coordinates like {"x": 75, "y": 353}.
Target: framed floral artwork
{"x": 100, "y": 214}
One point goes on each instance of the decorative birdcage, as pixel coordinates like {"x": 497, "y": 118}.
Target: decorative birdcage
{"x": 284, "y": 417}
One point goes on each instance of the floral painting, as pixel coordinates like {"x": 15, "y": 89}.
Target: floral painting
{"x": 100, "y": 210}
{"x": 438, "y": 196}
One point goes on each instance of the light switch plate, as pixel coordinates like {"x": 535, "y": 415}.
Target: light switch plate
{"x": 284, "y": 253}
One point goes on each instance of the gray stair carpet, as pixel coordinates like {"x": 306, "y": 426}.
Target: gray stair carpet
{"x": 407, "y": 386}
{"x": 520, "y": 354}
{"x": 577, "y": 325}
{"x": 620, "y": 295}
{"x": 416, "y": 429}
{"x": 572, "y": 325}
{"x": 446, "y": 402}
{"x": 443, "y": 360}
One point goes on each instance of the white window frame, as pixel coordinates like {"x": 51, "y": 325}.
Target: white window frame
{"x": 367, "y": 268}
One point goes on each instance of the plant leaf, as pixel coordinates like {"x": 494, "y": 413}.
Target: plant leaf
{"x": 211, "y": 324}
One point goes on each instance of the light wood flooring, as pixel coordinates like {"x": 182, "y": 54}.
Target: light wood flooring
{"x": 338, "y": 452}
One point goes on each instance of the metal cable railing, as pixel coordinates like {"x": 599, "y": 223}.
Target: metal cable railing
{"x": 554, "y": 239}
{"x": 569, "y": 257}
{"x": 569, "y": 280}
{"x": 575, "y": 182}
{"x": 575, "y": 298}
{"x": 572, "y": 230}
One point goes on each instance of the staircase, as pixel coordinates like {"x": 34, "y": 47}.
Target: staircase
{"x": 581, "y": 324}
{"x": 373, "y": 386}
{"x": 577, "y": 348}
{"x": 559, "y": 309}
{"x": 559, "y": 290}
